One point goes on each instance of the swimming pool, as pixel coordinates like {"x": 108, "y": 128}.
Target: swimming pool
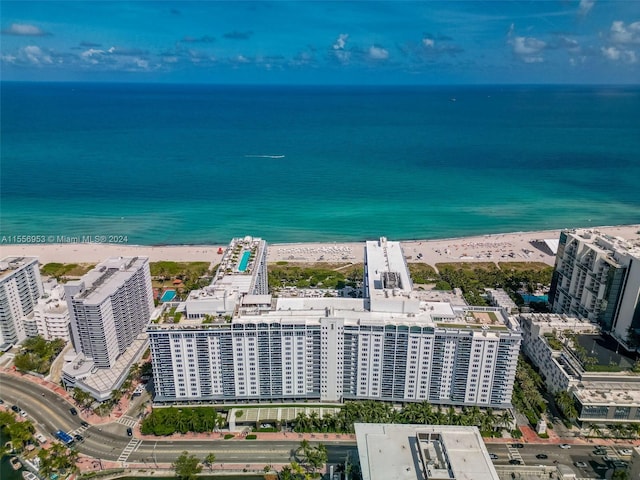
{"x": 168, "y": 295}
{"x": 534, "y": 298}
{"x": 244, "y": 261}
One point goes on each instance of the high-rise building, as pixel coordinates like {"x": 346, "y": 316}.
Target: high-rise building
{"x": 20, "y": 288}
{"x": 109, "y": 309}
{"x": 391, "y": 346}
{"x": 598, "y": 277}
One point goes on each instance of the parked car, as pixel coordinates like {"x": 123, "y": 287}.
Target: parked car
{"x": 565, "y": 445}
{"x": 515, "y": 461}
{"x": 84, "y": 424}
{"x": 23, "y": 414}
{"x": 129, "y": 431}
{"x": 542, "y": 456}
{"x": 73, "y": 411}
{"x": 619, "y": 464}
{"x": 15, "y": 408}
{"x": 626, "y": 452}
{"x": 600, "y": 451}
{"x": 493, "y": 456}
{"x": 581, "y": 464}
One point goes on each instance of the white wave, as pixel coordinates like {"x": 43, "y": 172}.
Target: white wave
{"x": 264, "y": 156}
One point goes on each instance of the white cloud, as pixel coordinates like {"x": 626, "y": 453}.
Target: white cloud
{"x": 428, "y": 42}
{"x": 341, "y": 41}
{"x": 616, "y": 54}
{"x": 585, "y": 6}
{"x": 24, "y": 29}
{"x": 612, "y": 53}
{"x": 378, "y": 53}
{"x": 170, "y": 59}
{"x": 620, "y": 33}
{"x": 34, "y": 55}
{"x": 529, "y": 49}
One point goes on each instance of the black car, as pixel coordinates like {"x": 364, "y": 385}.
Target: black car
{"x": 73, "y": 411}
{"x": 78, "y": 437}
{"x": 542, "y": 456}
{"x": 84, "y": 424}
{"x": 129, "y": 432}
{"x": 15, "y": 408}
{"x": 517, "y": 445}
{"x": 515, "y": 461}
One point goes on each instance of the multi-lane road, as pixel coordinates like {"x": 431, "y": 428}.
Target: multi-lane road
{"x": 110, "y": 441}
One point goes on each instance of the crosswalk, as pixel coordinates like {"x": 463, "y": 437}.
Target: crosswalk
{"x": 127, "y": 420}
{"x": 129, "y": 449}
{"x": 514, "y": 453}
{"x": 79, "y": 430}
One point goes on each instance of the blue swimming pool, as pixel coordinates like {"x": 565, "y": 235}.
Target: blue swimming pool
{"x": 244, "y": 261}
{"x": 534, "y": 298}
{"x": 168, "y": 295}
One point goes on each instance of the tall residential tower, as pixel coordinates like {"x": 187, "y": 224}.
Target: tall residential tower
{"x": 20, "y": 288}
{"x": 598, "y": 277}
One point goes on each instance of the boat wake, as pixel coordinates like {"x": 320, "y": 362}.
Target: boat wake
{"x": 264, "y": 156}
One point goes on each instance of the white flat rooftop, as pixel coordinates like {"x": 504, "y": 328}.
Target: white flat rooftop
{"x": 417, "y": 452}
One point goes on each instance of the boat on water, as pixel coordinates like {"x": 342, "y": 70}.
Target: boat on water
{"x": 15, "y": 463}
{"x": 26, "y": 475}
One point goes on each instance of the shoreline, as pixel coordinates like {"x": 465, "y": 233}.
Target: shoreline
{"x": 498, "y": 247}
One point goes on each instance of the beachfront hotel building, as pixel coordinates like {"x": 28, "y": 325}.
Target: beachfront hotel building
{"x": 597, "y": 277}
{"x": 392, "y": 345}
{"x": 241, "y": 276}
{"x": 109, "y": 309}
{"x": 20, "y": 288}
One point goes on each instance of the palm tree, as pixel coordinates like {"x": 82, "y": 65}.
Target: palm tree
{"x": 595, "y": 430}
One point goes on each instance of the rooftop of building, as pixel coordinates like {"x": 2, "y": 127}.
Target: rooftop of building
{"x": 9, "y": 265}
{"x": 386, "y": 269}
{"x": 416, "y": 452}
{"x": 106, "y": 278}
{"x": 609, "y": 393}
{"x": 309, "y": 311}
{"x": 612, "y": 248}
{"x": 239, "y": 262}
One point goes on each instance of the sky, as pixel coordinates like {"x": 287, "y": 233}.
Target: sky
{"x": 322, "y": 42}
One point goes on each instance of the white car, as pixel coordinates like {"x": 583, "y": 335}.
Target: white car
{"x": 581, "y": 464}
{"x": 23, "y": 413}
{"x": 626, "y": 452}
{"x": 565, "y": 445}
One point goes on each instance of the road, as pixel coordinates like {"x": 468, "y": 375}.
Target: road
{"x": 111, "y": 442}
{"x": 596, "y": 466}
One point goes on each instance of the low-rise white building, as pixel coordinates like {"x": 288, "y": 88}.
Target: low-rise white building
{"x": 417, "y": 452}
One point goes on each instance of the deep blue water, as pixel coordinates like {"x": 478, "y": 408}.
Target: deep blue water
{"x": 201, "y": 164}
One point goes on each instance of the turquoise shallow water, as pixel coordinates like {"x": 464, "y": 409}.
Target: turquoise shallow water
{"x": 174, "y": 164}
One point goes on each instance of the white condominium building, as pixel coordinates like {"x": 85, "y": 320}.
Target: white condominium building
{"x": 109, "y": 307}
{"x": 20, "y": 288}
{"x": 335, "y": 349}
{"x": 598, "y": 277}
{"x": 51, "y": 314}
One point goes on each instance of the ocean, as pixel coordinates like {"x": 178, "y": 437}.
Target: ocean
{"x": 199, "y": 164}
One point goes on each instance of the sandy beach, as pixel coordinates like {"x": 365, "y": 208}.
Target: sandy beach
{"x": 514, "y": 247}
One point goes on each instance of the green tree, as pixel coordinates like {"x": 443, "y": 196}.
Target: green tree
{"x": 187, "y": 466}
{"x": 20, "y": 433}
{"x": 209, "y": 460}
